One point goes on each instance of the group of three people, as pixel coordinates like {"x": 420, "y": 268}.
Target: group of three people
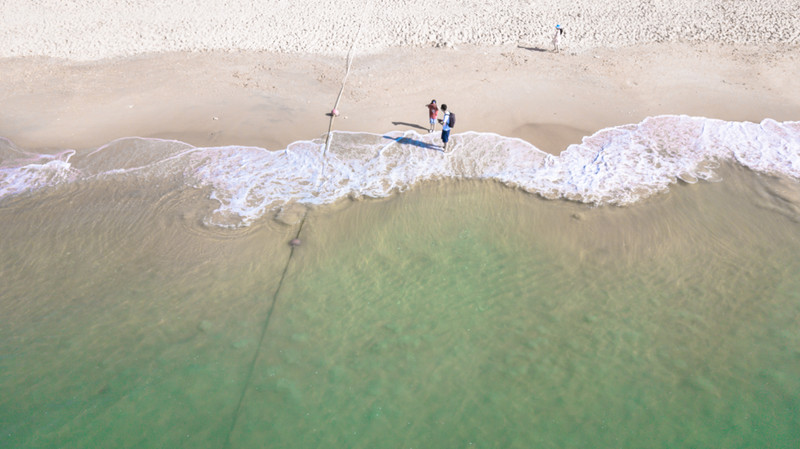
{"x": 433, "y": 114}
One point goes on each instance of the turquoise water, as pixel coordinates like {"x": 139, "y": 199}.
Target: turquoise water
{"x": 457, "y": 314}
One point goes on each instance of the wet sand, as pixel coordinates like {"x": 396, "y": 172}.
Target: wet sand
{"x": 271, "y": 100}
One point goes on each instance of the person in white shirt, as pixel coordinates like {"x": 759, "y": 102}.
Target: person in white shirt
{"x": 557, "y": 38}
{"x": 445, "y": 121}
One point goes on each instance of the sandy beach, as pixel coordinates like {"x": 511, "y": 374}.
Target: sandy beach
{"x": 73, "y": 79}
{"x": 270, "y": 100}
{"x": 605, "y": 257}
{"x": 81, "y": 30}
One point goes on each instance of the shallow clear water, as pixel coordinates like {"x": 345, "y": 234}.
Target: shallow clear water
{"x": 457, "y": 314}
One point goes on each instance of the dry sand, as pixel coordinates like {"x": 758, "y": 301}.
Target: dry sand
{"x": 82, "y": 29}
{"x": 266, "y": 75}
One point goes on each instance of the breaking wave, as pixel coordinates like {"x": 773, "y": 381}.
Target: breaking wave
{"x": 615, "y": 166}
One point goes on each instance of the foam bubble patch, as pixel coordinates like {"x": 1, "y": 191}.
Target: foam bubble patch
{"x": 23, "y": 172}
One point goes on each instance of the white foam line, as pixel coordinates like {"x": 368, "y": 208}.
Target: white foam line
{"x": 152, "y": 139}
{"x": 167, "y": 159}
{"x": 120, "y": 171}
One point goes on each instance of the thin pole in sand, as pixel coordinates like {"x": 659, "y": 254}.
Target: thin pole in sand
{"x": 349, "y": 65}
{"x": 344, "y": 80}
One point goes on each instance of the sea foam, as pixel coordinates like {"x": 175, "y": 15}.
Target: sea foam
{"x": 615, "y": 166}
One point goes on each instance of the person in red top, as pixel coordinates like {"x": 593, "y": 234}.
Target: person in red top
{"x": 433, "y": 112}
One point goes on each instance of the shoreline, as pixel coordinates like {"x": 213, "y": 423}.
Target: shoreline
{"x": 272, "y": 99}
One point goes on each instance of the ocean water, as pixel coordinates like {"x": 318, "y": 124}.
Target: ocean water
{"x": 640, "y": 290}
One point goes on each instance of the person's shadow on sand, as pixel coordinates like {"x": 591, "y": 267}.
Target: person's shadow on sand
{"x": 540, "y": 50}
{"x": 411, "y": 125}
{"x": 416, "y": 143}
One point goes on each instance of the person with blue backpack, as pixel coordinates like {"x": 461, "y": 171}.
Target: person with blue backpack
{"x": 448, "y": 121}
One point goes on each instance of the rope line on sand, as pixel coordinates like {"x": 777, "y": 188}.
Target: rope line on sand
{"x": 264, "y": 327}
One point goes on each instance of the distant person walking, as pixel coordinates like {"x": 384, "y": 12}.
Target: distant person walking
{"x": 433, "y": 112}
{"x": 445, "y": 121}
{"x": 557, "y": 38}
